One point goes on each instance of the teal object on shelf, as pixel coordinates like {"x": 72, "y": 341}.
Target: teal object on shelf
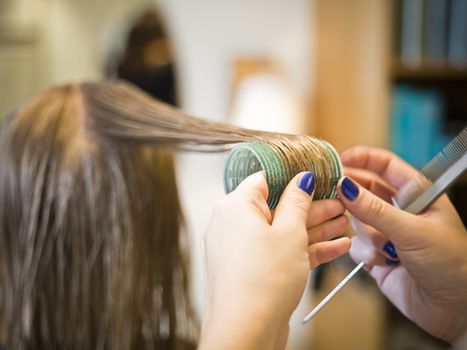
{"x": 416, "y": 124}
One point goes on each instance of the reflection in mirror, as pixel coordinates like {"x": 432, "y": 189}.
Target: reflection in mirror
{"x": 147, "y": 59}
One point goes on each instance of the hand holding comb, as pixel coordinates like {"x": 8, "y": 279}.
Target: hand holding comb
{"x": 433, "y": 180}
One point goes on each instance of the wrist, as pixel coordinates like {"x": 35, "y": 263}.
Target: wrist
{"x": 243, "y": 325}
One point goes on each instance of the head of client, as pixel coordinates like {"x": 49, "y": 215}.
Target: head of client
{"x": 91, "y": 252}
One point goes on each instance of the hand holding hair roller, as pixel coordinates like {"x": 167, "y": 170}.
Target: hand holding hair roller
{"x": 281, "y": 158}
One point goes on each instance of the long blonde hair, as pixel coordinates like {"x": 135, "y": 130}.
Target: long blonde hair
{"x": 90, "y": 242}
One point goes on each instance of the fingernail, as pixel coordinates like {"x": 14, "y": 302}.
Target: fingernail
{"x": 391, "y": 262}
{"x": 391, "y": 250}
{"x": 349, "y": 189}
{"x": 307, "y": 182}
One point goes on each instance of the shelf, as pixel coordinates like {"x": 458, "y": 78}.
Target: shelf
{"x": 425, "y": 72}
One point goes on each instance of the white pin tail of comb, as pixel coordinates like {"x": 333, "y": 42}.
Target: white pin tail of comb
{"x": 435, "y": 178}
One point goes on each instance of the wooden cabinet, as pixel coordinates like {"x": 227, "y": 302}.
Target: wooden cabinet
{"x": 351, "y": 97}
{"x": 358, "y": 68}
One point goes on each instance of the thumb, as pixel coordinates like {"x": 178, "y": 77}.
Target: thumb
{"x": 254, "y": 186}
{"x": 372, "y": 210}
{"x": 295, "y": 202}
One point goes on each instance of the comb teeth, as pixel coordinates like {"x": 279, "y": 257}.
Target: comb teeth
{"x": 432, "y": 171}
{"x": 450, "y": 154}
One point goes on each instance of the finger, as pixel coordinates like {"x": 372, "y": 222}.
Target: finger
{"x": 375, "y": 238}
{"x": 295, "y": 202}
{"x": 382, "y": 162}
{"x": 324, "y": 210}
{"x": 374, "y": 211}
{"x": 372, "y": 182}
{"x": 254, "y": 184}
{"x": 254, "y": 190}
{"x": 389, "y": 280}
{"x": 328, "y": 230}
{"x": 363, "y": 250}
{"x": 322, "y": 252}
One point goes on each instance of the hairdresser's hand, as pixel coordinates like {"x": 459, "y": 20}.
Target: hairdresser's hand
{"x": 258, "y": 261}
{"x": 429, "y": 282}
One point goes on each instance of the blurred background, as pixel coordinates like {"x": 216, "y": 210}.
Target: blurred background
{"x": 376, "y": 72}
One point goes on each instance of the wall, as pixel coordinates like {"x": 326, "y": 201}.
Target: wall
{"x": 68, "y": 40}
{"x": 20, "y": 52}
{"x": 210, "y": 34}
{"x": 44, "y": 42}
{"x": 82, "y": 33}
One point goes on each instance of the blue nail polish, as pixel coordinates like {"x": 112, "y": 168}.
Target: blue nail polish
{"x": 391, "y": 250}
{"x": 349, "y": 189}
{"x": 391, "y": 262}
{"x": 307, "y": 182}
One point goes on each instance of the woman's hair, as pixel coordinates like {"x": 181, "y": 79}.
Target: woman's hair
{"x": 92, "y": 254}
